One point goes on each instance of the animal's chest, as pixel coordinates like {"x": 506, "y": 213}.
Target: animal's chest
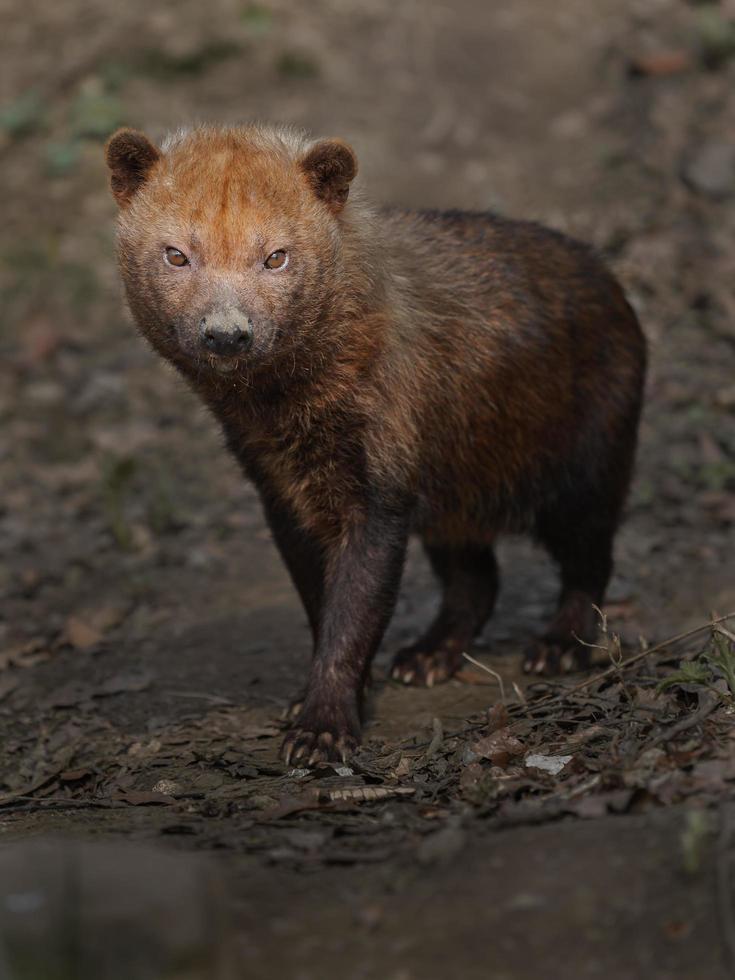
{"x": 314, "y": 468}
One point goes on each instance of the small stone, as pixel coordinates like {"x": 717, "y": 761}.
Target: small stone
{"x": 169, "y": 787}
{"x": 711, "y": 169}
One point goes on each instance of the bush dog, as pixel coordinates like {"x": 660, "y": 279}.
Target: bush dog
{"x": 379, "y": 373}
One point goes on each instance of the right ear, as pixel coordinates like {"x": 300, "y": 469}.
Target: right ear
{"x": 130, "y": 156}
{"x": 330, "y": 166}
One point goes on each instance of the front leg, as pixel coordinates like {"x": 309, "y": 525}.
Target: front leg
{"x": 303, "y": 556}
{"x": 362, "y": 574}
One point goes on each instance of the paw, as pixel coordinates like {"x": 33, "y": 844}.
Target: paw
{"x": 548, "y": 658}
{"x": 312, "y": 739}
{"x": 421, "y": 669}
{"x": 310, "y": 748}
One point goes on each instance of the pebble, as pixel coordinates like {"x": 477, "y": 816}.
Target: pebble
{"x": 710, "y": 170}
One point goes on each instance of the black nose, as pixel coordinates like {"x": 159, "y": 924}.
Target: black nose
{"x": 225, "y": 336}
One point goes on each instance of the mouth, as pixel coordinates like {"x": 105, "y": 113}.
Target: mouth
{"x": 224, "y": 365}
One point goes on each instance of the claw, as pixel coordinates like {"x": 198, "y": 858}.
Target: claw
{"x": 550, "y": 657}
{"x": 313, "y": 747}
{"x": 425, "y": 667}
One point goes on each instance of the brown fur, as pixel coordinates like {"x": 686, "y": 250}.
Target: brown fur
{"x": 456, "y": 375}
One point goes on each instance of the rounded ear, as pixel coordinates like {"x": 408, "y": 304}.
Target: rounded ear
{"x": 330, "y": 165}
{"x": 130, "y": 155}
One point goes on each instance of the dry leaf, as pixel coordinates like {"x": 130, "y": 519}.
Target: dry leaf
{"x": 86, "y": 629}
{"x": 586, "y": 735}
{"x": 74, "y": 775}
{"x": 499, "y": 747}
{"x": 497, "y": 717}
{"x": 80, "y": 634}
{"x": 25, "y": 654}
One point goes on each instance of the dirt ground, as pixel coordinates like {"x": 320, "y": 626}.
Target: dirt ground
{"x": 149, "y": 635}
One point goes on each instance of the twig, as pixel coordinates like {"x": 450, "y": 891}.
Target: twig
{"x": 519, "y": 693}
{"x": 723, "y": 631}
{"x": 636, "y": 658}
{"x": 550, "y": 701}
{"x": 203, "y": 696}
{"x": 489, "y": 670}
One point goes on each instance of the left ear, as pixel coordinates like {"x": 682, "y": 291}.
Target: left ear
{"x": 330, "y": 166}
{"x": 130, "y": 157}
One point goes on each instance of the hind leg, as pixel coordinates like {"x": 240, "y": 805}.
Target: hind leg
{"x": 469, "y": 579}
{"x": 583, "y": 549}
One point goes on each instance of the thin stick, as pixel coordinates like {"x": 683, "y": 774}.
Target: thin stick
{"x": 636, "y": 658}
{"x": 728, "y": 634}
{"x": 489, "y": 670}
{"x": 610, "y": 671}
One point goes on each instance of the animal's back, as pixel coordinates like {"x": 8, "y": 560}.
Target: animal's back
{"x": 527, "y": 365}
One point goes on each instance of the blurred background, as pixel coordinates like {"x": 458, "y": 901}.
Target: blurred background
{"x": 133, "y": 556}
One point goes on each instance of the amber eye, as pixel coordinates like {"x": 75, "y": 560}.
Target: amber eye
{"x": 176, "y": 257}
{"x": 277, "y": 260}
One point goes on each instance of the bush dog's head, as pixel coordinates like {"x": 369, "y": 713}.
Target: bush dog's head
{"x": 229, "y": 240}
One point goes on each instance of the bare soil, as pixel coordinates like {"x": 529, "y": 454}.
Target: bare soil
{"x": 149, "y": 635}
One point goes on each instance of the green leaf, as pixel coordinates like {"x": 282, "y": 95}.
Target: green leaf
{"x": 723, "y": 659}
{"x": 689, "y": 672}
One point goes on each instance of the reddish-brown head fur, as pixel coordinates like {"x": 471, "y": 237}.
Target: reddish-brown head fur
{"x": 227, "y": 200}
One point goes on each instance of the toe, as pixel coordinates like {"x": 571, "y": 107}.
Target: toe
{"x": 311, "y": 748}
{"x": 542, "y": 659}
{"x": 423, "y": 669}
